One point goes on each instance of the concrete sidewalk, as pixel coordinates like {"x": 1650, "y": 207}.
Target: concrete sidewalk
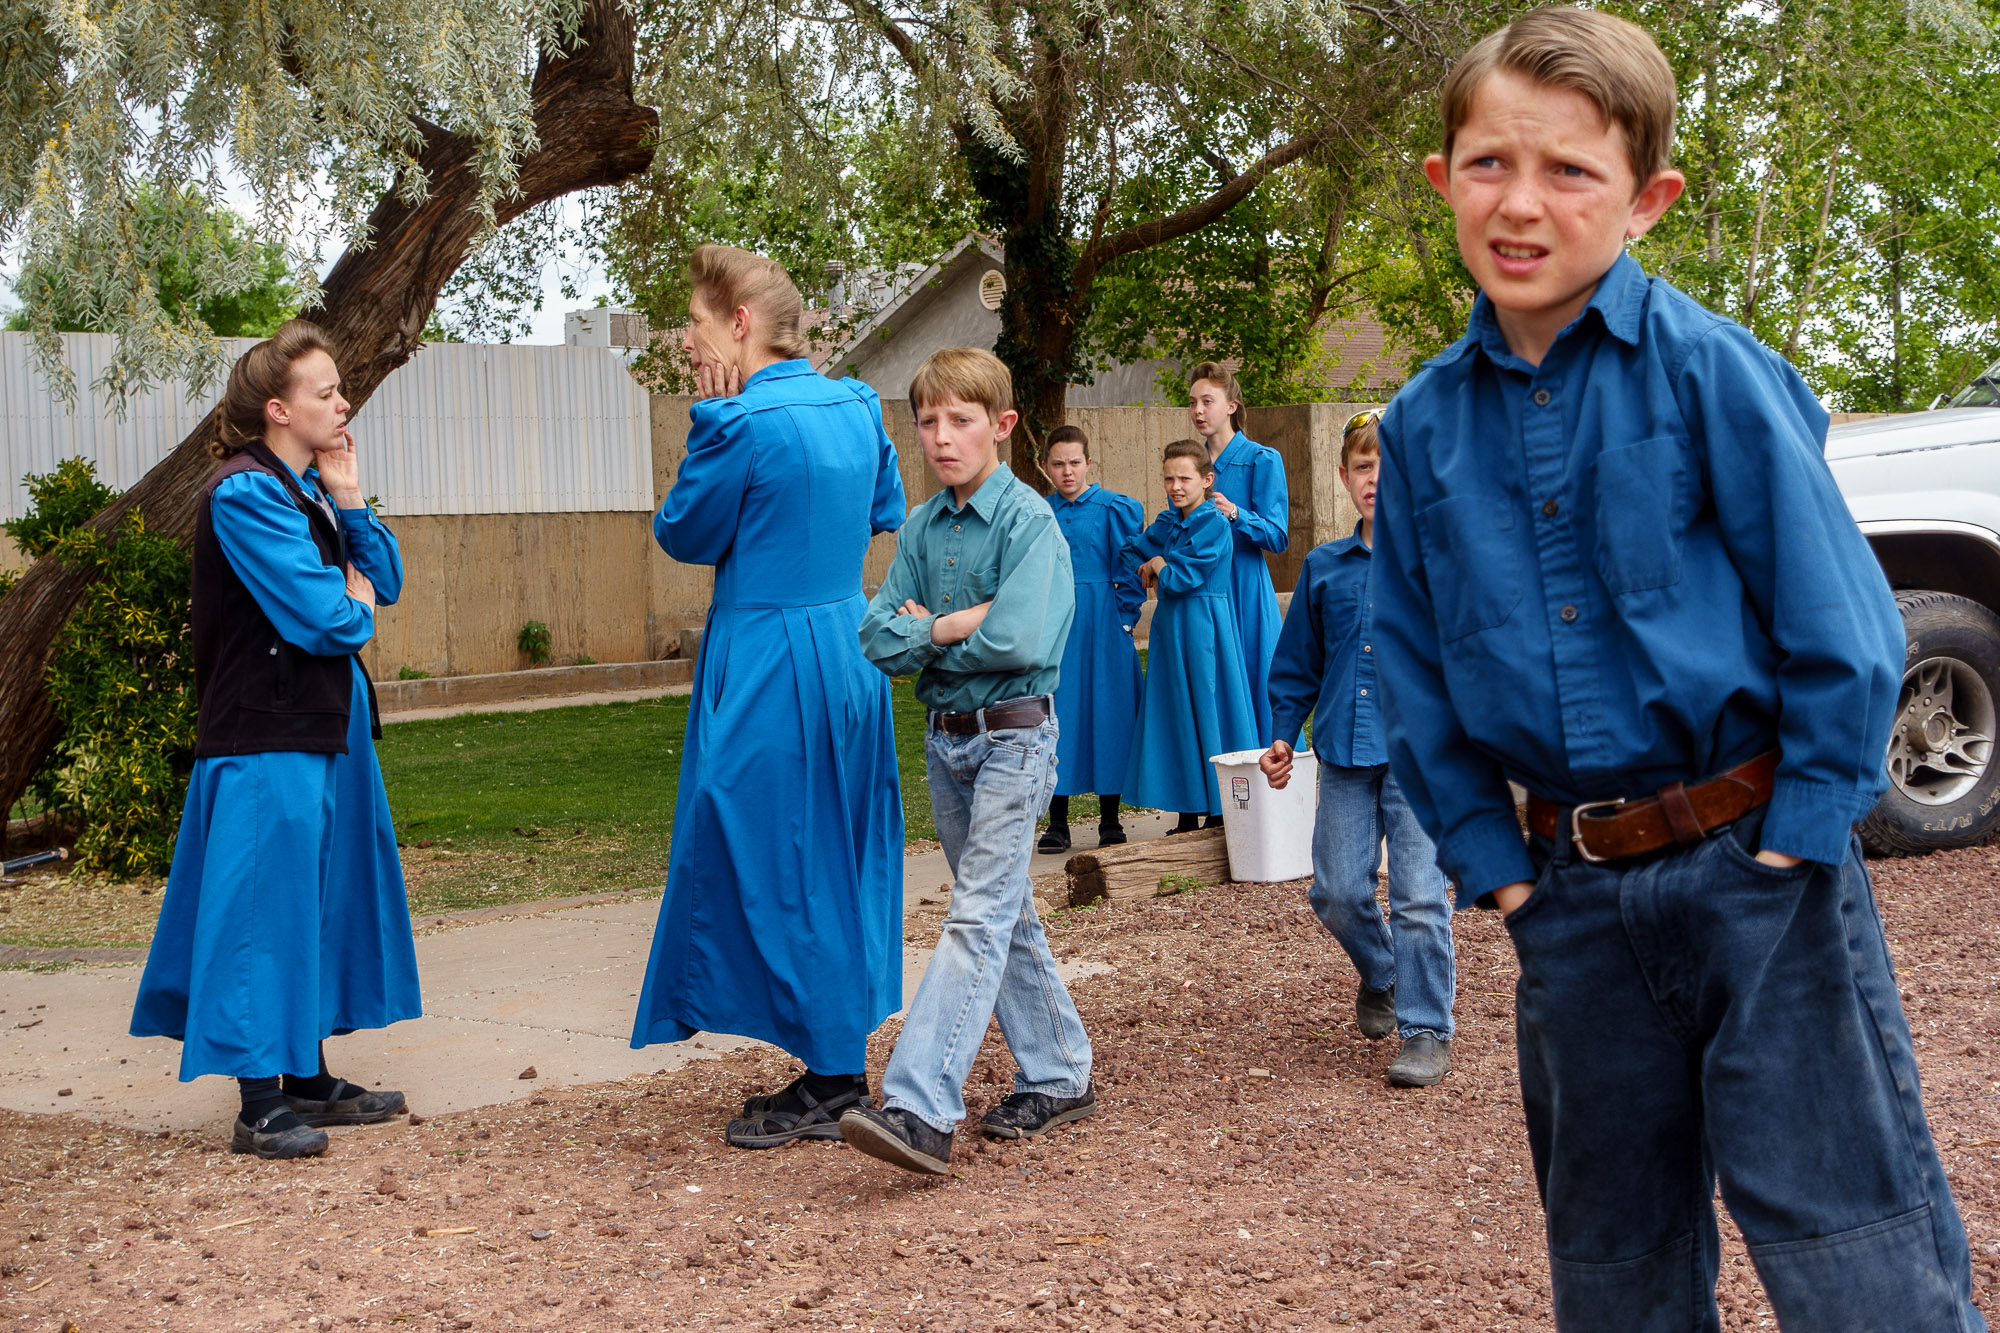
{"x": 555, "y": 991}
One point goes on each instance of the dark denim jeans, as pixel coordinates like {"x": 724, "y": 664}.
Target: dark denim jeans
{"x": 1412, "y": 949}
{"x": 1698, "y": 1016}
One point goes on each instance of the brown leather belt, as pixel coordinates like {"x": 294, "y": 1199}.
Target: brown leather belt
{"x": 1676, "y": 814}
{"x": 1029, "y": 712}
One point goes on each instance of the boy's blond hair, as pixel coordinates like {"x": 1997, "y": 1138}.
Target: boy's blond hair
{"x": 1614, "y": 63}
{"x": 1363, "y": 438}
{"x": 964, "y": 375}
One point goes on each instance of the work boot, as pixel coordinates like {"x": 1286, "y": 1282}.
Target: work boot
{"x": 1375, "y": 1011}
{"x": 1423, "y": 1060}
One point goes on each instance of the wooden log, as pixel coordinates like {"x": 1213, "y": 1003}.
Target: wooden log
{"x": 1135, "y": 870}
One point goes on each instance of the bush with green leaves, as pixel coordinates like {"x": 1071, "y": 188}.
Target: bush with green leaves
{"x": 122, "y": 682}
{"x": 535, "y": 642}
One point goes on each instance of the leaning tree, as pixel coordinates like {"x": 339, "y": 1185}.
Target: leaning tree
{"x": 401, "y": 133}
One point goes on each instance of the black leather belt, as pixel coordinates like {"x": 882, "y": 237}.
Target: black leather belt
{"x": 1029, "y": 712}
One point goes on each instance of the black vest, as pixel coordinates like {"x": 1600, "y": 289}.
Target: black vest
{"x": 254, "y": 691}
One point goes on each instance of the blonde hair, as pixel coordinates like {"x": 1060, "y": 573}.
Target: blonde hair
{"x": 259, "y": 375}
{"x": 1614, "y": 63}
{"x": 965, "y": 375}
{"x": 726, "y": 278}
{"x": 1218, "y": 375}
{"x": 1363, "y": 438}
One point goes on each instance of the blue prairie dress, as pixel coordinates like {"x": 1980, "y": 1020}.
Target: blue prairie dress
{"x": 285, "y": 920}
{"x": 783, "y": 912}
{"x": 1252, "y": 475}
{"x": 1196, "y": 700}
{"x": 1097, "y": 697}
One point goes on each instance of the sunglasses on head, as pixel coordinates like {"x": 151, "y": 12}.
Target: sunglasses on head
{"x": 1360, "y": 419}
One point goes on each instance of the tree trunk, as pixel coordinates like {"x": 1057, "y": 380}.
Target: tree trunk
{"x": 376, "y": 303}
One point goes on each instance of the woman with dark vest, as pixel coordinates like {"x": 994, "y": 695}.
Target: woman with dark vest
{"x": 284, "y": 920}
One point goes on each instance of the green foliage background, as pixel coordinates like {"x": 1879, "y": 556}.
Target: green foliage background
{"x": 122, "y": 682}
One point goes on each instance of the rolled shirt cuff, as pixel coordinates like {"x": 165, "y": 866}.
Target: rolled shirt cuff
{"x": 1485, "y": 854}
{"x": 1813, "y": 820}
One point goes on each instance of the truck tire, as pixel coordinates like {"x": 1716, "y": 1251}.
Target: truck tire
{"x": 1944, "y": 786}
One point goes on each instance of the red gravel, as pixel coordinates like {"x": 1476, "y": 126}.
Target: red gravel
{"x": 1202, "y": 1195}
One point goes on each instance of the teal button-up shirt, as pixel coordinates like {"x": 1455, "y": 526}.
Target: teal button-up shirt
{"x": 1002, "y": 546}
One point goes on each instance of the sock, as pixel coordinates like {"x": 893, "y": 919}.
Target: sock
{"x": 1107, "y": 815}
{"x": 1058, "y": 812}
{"x": 824, "y": 1086}
{"x": 314, "y": 1087}
{"x": 1190, "y": 821}
{"x": 261, "y": 1098}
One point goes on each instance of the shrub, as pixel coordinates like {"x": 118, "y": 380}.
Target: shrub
{"x": 411, "y": 673}
{"x": 122, "y": 682}
{"x": 535, "y": 642}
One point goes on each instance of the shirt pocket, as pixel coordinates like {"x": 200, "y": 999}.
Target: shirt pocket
{"x": 1470, "y": 563}
{"x": 1641, "y": 514}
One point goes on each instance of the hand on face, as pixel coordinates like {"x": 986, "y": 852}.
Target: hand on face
{"x": 717, "y": 380}
{"x": 714, "y": 350}
{"x": 339, "y": 473}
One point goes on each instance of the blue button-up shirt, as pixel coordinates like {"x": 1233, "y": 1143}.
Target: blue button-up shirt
{"x": 1325, "y": 663}
{"x": 1001, "y": 546}
{"x": 1625, "y": 567}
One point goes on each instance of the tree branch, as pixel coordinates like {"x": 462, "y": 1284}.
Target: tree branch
{"x": 906, "y": 46}
{"x": 1146, "y": 235}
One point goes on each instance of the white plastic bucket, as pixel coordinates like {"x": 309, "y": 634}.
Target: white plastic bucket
{"x": 1269, "y": 833}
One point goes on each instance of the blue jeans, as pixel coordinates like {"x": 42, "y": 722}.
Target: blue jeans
{"x": 992, "y": 960}
{"x": 1412, "y": 950}
{"x": 1696, "y": 1016}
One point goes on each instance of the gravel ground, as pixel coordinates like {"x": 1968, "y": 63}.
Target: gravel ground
{"x": 1248, "y": 1169}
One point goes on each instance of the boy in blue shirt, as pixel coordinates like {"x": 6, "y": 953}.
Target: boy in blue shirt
{"x": 1613, "y": 567}
{"x": 1325, "y": 666}
{"x": 978, "y": 603}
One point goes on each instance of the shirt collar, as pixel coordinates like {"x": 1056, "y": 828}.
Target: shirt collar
{"x": 986, "y": 499}
{"x": 1352, "y": 542}
{"x": 1082, "y": 496}
{"x": 781, "y": 370}
{"x": 1238, "y": 438}
{"x": 1619, "y": 301}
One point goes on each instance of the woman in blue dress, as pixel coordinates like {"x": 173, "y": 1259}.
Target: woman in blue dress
{"x": 1097, "y": 690}
{"x": 1194, "y": 703}
{"x": 1250, "y": 491}
{"x": 783, "y": 912}
{"x": 284, "y": 920}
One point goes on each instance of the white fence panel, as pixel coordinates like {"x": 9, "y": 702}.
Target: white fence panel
{"x": 461, "y": 429}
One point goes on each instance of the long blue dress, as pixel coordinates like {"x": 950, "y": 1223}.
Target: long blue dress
{"x": 1097, "y": 694}
{"x": 1252, "y": 476}
{"x": 285, "y": 919}
{"x": 1196, "y": 701}
{"x": 784, "y": 902}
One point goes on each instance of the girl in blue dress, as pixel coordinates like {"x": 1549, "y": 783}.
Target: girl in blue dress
{"x": 783, "y": 912}
{"x": 1250, "y": 491}
{"x": 1097, "y": 694}
{"x": 284, "y": 920}
{"x": 1195, "y": 702}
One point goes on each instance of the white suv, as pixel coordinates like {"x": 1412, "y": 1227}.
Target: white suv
{"x": 1925, "y": 488}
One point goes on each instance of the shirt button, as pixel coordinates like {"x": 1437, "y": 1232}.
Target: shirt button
{"x": 1551, "y": 508}
{"x": 951, "y": 562}
{"x": 1568, "y": 613}
{"x": 954, "y": 527}
{"x": 1367, "y": 647}
{"x": 1541, "y": 398}
{"x": 1364, "y": 691}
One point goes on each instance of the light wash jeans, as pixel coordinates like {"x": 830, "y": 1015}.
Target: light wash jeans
{"x": 992, "y": 961}
{"x": 1412, "y": 950}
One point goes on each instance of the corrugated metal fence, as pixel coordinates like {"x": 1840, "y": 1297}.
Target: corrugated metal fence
{"x": 461, "y": 429}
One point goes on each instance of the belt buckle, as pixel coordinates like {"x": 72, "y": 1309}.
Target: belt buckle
{"x": 1576, "y": 815}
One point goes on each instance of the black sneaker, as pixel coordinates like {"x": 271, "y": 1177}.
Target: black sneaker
{"x": 297, "y": 1140}
{"x": 1423, "y": 1060}
{"x": 1027, "y": 1115}
{"x": 349, "y": 1105}
{"x": 1375, "y": 1012}
{"x": 799, "y": 1116}
{"x": 1055, "y": 839}
{"x": 1110, "y": 835}
{"x": 898, "y": 1138}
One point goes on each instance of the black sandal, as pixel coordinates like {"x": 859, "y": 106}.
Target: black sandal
{"x": 766, "y": 1128}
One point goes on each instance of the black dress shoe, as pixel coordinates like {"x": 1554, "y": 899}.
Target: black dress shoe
{"x": 1028, "y": 1115}
{"x": 1423, "y": 1060}
{"x": 1110, "y": 835}
{"x": 276, "y": 1144}
{"x": 898, "y": 1138}
{"x": 1056, "y": 839}
{"x": 349, "y": 1105}
{"x": 1375, "y": 1012}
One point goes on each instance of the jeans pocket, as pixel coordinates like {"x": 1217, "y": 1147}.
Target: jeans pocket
{"x": 1736, "y": 848}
